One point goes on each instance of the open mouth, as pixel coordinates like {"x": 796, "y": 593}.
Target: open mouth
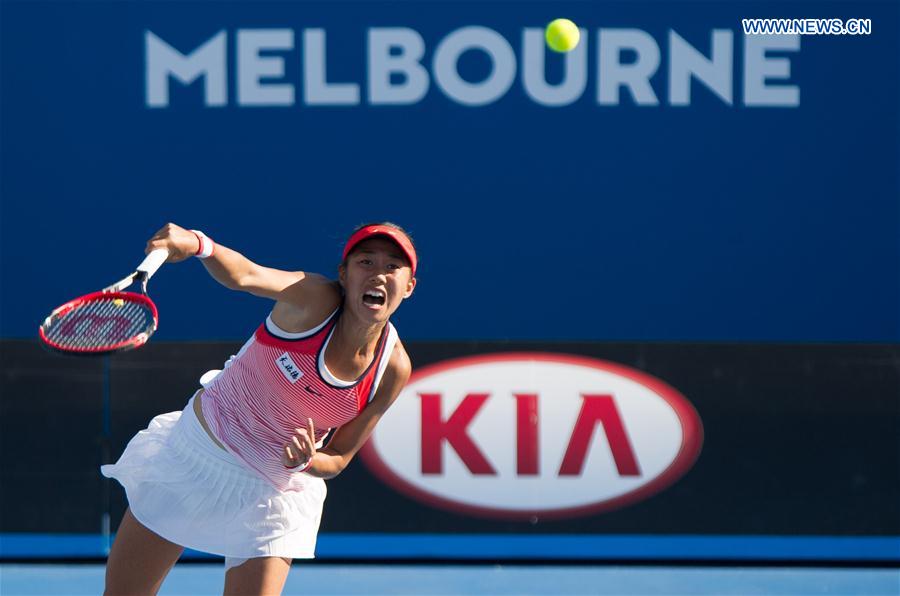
{"x": 373, "y": 298}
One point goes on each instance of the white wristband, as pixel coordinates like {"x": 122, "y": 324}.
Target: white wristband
{"x": 302, "y": 467}
{"x": 207, "y": 246}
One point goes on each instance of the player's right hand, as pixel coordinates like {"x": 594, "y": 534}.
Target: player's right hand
{"x": 180, "y": 243}
{"x": 301, "y": 448}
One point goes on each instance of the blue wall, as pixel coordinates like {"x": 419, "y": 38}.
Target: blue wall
{"x": 602, "y": 222}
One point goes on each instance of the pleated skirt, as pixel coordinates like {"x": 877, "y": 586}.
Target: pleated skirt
{"x": 188, "y": 490}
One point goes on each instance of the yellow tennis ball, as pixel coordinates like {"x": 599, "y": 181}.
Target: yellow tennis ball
{"x": 562, "y": 35}
{"x": 119, "y": 302}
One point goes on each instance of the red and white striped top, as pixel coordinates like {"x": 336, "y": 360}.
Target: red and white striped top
{"x": 274, "y": 383}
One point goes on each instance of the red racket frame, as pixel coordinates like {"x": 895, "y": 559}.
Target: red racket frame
{"x": 134, "y": 342}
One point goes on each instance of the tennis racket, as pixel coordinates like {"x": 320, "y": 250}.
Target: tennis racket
{"x": 109, "y": 320}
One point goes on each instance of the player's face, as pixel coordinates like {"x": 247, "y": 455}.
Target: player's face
{"x": 376, "y": 279}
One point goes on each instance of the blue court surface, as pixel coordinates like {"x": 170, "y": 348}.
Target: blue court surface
{"x": 491, "y": 579}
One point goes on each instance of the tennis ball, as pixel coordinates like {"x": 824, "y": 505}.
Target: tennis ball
{"x": 119, "y": 302}
{"x": 562, "y": 35}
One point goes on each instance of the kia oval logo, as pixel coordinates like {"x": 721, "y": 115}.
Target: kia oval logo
{"x": 533, "y": 435}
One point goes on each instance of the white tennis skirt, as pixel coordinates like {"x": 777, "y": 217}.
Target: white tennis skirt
{"x": 188, "y": 490}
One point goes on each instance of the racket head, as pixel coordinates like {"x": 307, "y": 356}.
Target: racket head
{"x": 100, "y": 323}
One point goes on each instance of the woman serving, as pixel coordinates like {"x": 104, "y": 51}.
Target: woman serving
{"x": 239, "y": 472}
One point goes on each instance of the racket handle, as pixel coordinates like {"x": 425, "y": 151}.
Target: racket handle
{"x": 153, "y": 261}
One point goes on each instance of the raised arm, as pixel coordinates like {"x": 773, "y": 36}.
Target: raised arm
{"x": 348, "y": 439}
{"x": 235, "y": 271}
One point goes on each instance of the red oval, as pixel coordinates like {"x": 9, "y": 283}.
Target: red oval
{"x": 691, "y": 444}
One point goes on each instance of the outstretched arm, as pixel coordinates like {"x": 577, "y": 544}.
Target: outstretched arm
{"x": 235, "y": 271}
{"x": 348, "y": 439}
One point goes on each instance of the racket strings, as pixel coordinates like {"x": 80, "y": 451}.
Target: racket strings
{"x": 100, "y": 323}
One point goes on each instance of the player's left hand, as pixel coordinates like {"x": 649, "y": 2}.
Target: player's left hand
{"x": 301, "y": 448}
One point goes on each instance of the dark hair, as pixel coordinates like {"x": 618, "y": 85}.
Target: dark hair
{"x": 389, "y": 224}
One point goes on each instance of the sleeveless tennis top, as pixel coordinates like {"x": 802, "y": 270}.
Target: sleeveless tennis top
{"x": 274, "y": 383}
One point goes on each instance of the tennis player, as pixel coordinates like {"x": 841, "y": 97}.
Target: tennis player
{"x": 240, "y": 471}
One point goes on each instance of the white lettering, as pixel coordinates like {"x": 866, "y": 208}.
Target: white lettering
{"x": 498, "y": 82}
{"x": 627, "y": 62}
{"x": 163, "y": 60}
{"x": 635, "y": 76}
{"x": 316, "y": 89}
{"x": 714, "y": 73}
{"x": 533, "y": 70}
{"x": 252, "y": 67}
{"x": 382, "y": 64}
{"x": 758, "y": 68}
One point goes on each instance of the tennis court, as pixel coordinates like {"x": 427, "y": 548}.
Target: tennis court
{"x": 202, "y": 579}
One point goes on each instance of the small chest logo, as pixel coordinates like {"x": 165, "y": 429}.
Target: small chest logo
{"x": 290, "y": 370}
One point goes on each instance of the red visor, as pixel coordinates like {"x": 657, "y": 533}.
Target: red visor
{"x": 393, "y": 233}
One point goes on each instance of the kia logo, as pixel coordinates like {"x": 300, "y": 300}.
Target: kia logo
{"x": 533, "y": 435}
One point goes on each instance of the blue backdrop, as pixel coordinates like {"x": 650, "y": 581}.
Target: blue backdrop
{"x": 706, "y": 221}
